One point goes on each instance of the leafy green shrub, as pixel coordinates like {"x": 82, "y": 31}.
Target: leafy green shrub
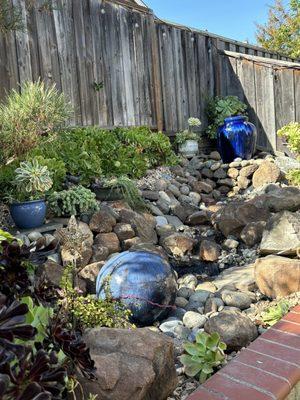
{"x": 27, "y": 116}
{"x": 32, "y": 180}
{"x": 74, "y": 201}
{"x": 291, "y": 133}
{"x": 90, "y": 312}
{"x": 203, "y": 356}
{"x": 219, "y": 108}
{"x": 275, "y": 313}
{"x": 293, "y": 176}
{"x": 91, "y": 152}
{"x": 128, "y": 190}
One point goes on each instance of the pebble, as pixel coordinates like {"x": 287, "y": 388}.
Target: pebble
{"x": 193, "y": 319}
{"x": 231, "y": 243}
{"x": 34, "y": 236}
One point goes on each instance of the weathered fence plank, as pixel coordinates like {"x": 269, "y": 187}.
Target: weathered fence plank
{"x": 154, "y": 73}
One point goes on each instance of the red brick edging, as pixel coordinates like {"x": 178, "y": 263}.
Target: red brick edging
{"x": 267, "y": 369}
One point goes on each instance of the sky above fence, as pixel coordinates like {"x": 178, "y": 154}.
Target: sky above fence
{"x": 234, "y": 19}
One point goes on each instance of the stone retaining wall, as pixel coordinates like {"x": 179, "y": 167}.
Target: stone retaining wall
{"x": 269, "y": 369}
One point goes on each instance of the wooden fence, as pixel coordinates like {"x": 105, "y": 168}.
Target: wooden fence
{"x": 154, "y": 73}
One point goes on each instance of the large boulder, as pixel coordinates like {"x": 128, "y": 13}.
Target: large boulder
{"x": 234, "y": 328}
{"x": 133, "y": 364}
{"x": 281, "y": 234}
{"x": 277, "y": 276}
{"x": 231, "y": 219}
{"x": 280, "y": 199}
{"x": 267, "y": 172}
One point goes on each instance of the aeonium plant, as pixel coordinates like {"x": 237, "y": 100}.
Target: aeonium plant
{"x": 32, "y": 181}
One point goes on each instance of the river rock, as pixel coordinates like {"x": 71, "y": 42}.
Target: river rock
{"x": 108, "y": 240}
{"x": 277, "y": 276}
{"x": 252, "y": 233}
{"x": 234, "y": 328}
{"x": 267, "y": 172}
{"x": 209, "y": 250}
{"x": 131, "y": 364}
{"x": 236, "y": 299}
{"x": 102, "y": 221}
{"x": 124, "y": 231}
{"x": 249, "y": 170}
{"x": 280, "y": 199}
{"x": 143, "y": 224}
{"x": 281, "y": 234}
{"x": 193, "y": 320}
{"x": 198, "y": 218}
{"x": 231, "y": 219}
{"x": 178, "y": 244}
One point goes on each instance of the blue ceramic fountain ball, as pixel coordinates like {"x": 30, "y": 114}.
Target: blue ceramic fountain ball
{"x": 144, "y": 282}
{"x": 236, "y": 138}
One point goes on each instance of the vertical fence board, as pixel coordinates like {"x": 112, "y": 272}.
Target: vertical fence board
{"x": 154, "y": 73}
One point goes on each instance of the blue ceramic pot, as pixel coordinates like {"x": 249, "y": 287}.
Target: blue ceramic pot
{"x": 29, "y": 214}
{"x": 144, "y": 282}
{"x": 236, "y": 138}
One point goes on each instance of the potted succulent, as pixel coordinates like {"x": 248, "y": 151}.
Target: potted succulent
{"x": 32, "y": 181}
{"x": 187, "y": 140}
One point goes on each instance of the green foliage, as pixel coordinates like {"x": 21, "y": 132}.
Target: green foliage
{"x": 10, "y": 17}
{"x": 275, "y": 313}
{"x": 293, "y": 176}
{"x": 5, "y": 236}
{"x": 90, "y": 312}
{"x": 128, "y": 190}
{"x": 75, "y": 201}
{"x": 91, "y": 152}
{"x": 291, "y": 133}
{"x": 219, "y": 108}
{"x": 38, "y": 316}
{"x": 7, "y": 176}
{"x": 183, "y": 136}
{"x": 32, "y": 179}
{"x": 203, "y": 356}
{"x": 27, "y": 116}
{"x": 281, "y": 33}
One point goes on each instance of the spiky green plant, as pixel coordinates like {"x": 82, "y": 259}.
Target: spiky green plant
{"x": 28, "y": 115}
{"x": 128, "y": 191}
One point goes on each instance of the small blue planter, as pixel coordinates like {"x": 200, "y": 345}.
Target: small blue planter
{"x": 28, "y": 215}
{"x": 236, "y": 138}
{"x": 144, "y": 282}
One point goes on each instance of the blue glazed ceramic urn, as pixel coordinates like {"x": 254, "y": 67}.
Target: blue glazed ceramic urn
{"x": 28, "y": 215}
{"x": 144, "y": 282}
{"x": 236, "y": 138}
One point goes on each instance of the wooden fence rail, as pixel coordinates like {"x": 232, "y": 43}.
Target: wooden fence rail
{"x": 154, "y": 73}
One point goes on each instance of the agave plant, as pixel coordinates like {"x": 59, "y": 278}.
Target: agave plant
{"x": 33, "y": 177}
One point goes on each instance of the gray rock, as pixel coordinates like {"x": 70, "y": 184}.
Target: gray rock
{"x": 234, "y": 328}
{"x": 185, "y": 291}
{"x": 215, "y": 155}
{"x": 281, "y": 234}
{"x": 280, "y": 199}
{"x": 207, "y": 172}
{"x": 231, "y": 243}
{"x": 187, "y": 281}
{"x": 182, "y": 332}
{"x": 193, "y": 320}
{"x": 169, "y": 325}
{"x": 181, "y": 302}
{"x": 252, "y": 233}
{"x": 220, "y": 174}
{"x": 174, "y": 189}
{"x": 198, "y": 218}
{"x": 34, "y": 236}
{"x": 184, "y": 189}
{"x": 236, "y": 299}
{"x": 161, "y": 221}
{"x": 196, "y": 198}
{"x": 200, "y": 296}
{"x": 212, "y": 304}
